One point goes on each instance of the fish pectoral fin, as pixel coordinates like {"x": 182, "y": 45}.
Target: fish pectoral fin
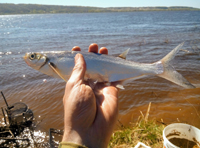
{"x": 52, "y": 66}
{"x": 92, "y": 83}
{"x": 124, "y": 54}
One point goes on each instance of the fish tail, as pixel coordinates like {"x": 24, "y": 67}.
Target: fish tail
{"x": 169, "y": 71}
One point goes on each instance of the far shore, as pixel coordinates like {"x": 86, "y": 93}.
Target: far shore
{"x": 10, "y": 9}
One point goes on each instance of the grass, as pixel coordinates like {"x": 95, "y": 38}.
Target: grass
{"x": 146, "y": 131}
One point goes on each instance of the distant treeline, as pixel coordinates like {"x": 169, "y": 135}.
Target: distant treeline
{"x": 41, "y": 9}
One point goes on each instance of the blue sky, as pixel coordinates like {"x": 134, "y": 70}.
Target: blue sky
{"x": 111, "y": 3}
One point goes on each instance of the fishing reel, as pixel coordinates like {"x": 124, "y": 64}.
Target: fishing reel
{"x": 18, "y": 114}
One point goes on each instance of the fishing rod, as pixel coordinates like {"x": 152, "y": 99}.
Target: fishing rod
{"x": 6, "y": 101}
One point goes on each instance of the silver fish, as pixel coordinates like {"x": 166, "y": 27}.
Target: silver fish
{"x": 105, "y": 68}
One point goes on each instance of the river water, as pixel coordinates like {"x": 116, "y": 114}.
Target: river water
{"x": 149, "y": 35}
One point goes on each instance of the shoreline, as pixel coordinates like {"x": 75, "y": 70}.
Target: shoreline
{"x": 12, "y": 9}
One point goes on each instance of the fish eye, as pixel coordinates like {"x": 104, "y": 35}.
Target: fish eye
{"x": 32, "y": 56}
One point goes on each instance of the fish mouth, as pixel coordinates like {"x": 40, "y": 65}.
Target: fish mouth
{"x": 25, "y": 59}
{"x": 25, "y": 56}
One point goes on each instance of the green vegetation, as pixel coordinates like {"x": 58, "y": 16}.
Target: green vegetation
{"x": 42, "y": 9}
{"x": 148, "y": 132}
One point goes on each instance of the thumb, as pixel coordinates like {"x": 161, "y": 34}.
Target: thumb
{"x": 79, "y": 69}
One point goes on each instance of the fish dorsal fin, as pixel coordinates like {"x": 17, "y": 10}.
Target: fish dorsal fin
{"x": 124, "y": 54}
{"x": 51, "y": 65}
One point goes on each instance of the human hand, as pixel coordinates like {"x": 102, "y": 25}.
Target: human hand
{"x": 89, "y": 115}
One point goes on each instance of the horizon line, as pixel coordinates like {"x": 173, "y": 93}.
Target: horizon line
{"x": 99, "y": 6}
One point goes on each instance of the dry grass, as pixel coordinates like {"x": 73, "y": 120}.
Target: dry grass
{"x": 148, "y": 132}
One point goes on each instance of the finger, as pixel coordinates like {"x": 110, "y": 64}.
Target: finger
{"x": 103, "y": 50}
{"x": 79, "y": 69}
{"x": 93, "y": 48}
{"x": 111, "y": 90}
{"x": 107, "y": 103}
{"x": 110, "y": 103}
{"x": 76, "y": 48}
{"x": 101, "y": 91}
